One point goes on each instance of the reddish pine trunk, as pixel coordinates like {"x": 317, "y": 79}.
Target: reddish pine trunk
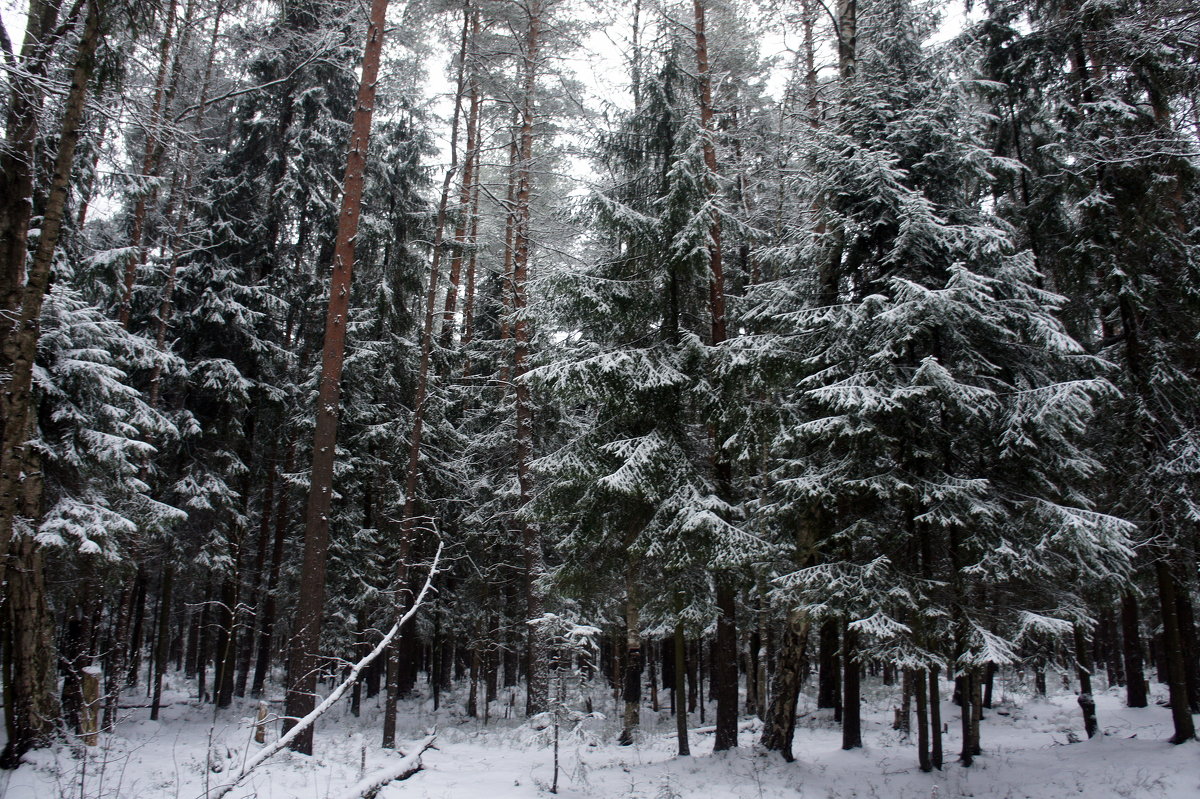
{"x": 304, "y": 661}
{"x": 725, "y": 666}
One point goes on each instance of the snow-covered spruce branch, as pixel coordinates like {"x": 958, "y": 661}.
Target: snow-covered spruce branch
{"x": 401, "y": 770}
{"x": 269, "y": 751}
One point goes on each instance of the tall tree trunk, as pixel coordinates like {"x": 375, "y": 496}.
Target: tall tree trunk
{"x": 118, "y": 654}
{"x": 304, "y": 661}
{"x": 851, "y": 692}
{"x": 227, "y": 629}
{"x": 632, "y": 693}
{"x": 921, "y": 689}
{"x": 1083, "y": 669}
{"x": 847, "y": 36}
{"x": 20, "y": 338}
{"x": 203, "y": 644}
{"x": 18, "y": 157}
{"x": 1181, "y": 715}
{"x": 161, "y": 642}
{"x": 1187, "y": 637}
{"x": 966, "y": 755}
{"x": 467, "y": 189}
{"x": 935, "y": 718}
{"x": 31, "y": 703}
{"x": 408, "y": 525}
{"x": 151, "y": 160}
{"x": 725, "y": 665}
{"x": 780, "y": 727}
{"x": 679, "y": 690}
{"x": 135, "y": 637}
{"x": 531, "y": 544}
{"x": 828, "y": 681}
{"x": 1131, "y": 640}
{"x": 266, "y": 628}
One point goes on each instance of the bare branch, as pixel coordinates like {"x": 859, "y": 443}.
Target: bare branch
{"x": 336, "y": 694}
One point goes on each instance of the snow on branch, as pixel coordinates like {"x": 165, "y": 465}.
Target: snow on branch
{"x": 400, "y": 770}
{"x": 336, "y": 694}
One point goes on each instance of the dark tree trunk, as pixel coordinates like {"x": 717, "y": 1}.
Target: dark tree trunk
{"x": 754, "y": 700}
{"x": 632, "y": 680}
{"x": 135, "y": 637}
{"x": 1181, "y": 716}
{"x": 966, "y": 755}
{"x": 693, "y": 681}
{"x": 828, "y": 686}
{"x": 31, "y": 703}
{"x": 935, "y": 719}
{"x": 679, "y": 645}
{"x": 391, "y": 696}
{"x": 921, "y": 689}
{"x": 226, "y": 643}
{"x": 118, "y": 654}
{"x": 852, "y": 700}
{"x": 162, "y": 638}
{"x": 203, "y": 645}
{"x": 725, "y": 665}
{"x": 266, "y": 628}
{"x": 1083, "y": 669}
{"x": 1191, "y": 648}
{"x": 1131, "y": 639}
{"x": 18, "y": 158}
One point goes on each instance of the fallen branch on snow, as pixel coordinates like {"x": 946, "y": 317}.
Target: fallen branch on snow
{"x": 269, "y": 751}
{"x": 369, "y": 786}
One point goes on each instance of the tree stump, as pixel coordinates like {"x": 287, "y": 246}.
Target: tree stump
{"x": 89, "y": 721}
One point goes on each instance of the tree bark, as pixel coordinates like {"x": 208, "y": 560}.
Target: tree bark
{"x": 31, "y": 703}
{"x": 531, "y": 544}
{"x": 725, "y": 664}
{"x": 632, "y": 693}
{"x": 19, "y": 346}
{"x": 1181, "y": 715}
{"x": 851, "y": 693}
{"x": 151, "y": 160}
{"x": 1083, "y": 669}
{"x": 1187, "y": 637}
{"x": 467, "y": 189}
{"x": 1131, "y": 640}
{"x": 18, "y": 156}
{"x": 780, "y": 727}
{"x": 304, "y": 661}
{"x": 681, "y": 716}
{"x": 935, "y": 718}
{"x": 266, "y": 629}
{"x": 921, "y": 689}
{"x": 161, "y": 641}
{"x": 828, "y": 681}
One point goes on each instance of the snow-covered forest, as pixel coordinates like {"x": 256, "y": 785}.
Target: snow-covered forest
{"x": 614, "y": 398}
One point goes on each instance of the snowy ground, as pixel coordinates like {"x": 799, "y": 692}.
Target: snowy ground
{"x": 1028, "y": 746}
